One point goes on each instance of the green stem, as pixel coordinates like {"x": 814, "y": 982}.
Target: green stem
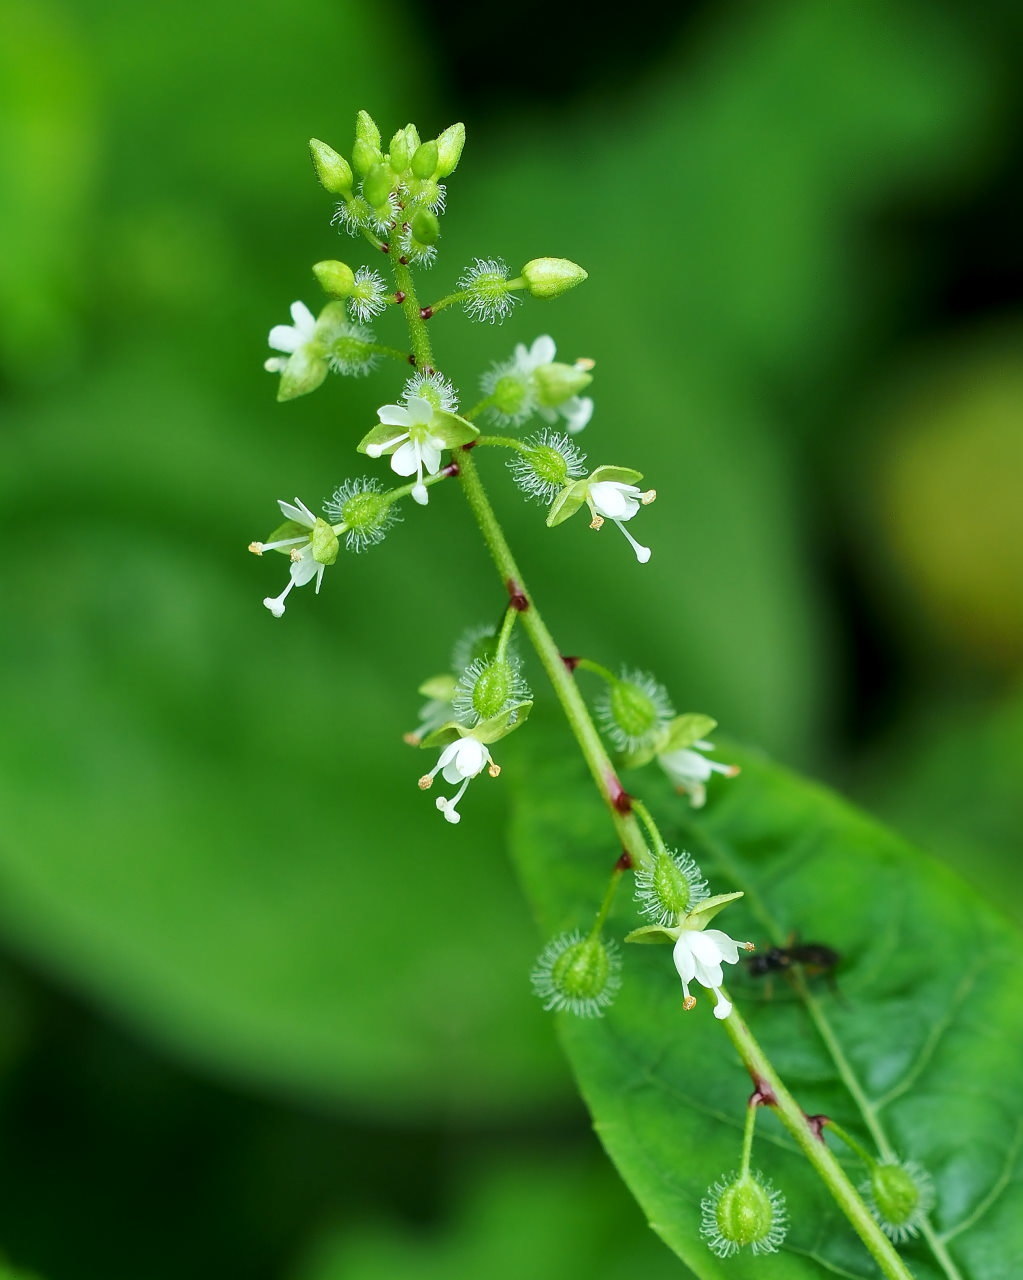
{"x": 586, "y": 664}
{"x": 747, "y": 1138}
{"x": 852, "y": 1144}
{"x": 504, "y": 635}
{"x": 478, "y": 408}
{"x": 505, "y": 442}
{"x": 607, "y": 903}
{"x": 380, "y": 349}
{"x": 647, "y": 819}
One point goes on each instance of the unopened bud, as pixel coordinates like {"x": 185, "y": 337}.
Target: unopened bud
{"x": 399, "y": 156}
{"x": 426, "y": 160}
{"x": 900, "y": 1195}
{"x": 332, "y": 169}
{"x": 557, "y": 383}
{"x": 425, "y": 227}
{"x": 576, "y": 974}
{"x": 336, "y": 279}
{"x": 741, "y": 1211}
{"x": 449, "y": 150}
{"x": 547, "y": 277}
{"x": 376, "y": 186}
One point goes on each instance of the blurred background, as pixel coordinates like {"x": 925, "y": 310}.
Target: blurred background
{"x": 246, "y": 1027}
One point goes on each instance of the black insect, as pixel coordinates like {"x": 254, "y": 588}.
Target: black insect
{"x": 814, "y": 957}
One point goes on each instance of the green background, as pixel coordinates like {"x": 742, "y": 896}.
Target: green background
{"x": 263, "y": 1013}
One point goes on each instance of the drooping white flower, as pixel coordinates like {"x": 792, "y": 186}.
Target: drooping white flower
{"x": 310, "y": 553}
{"x": 612, "y": 500}
{"x": 290, "y": 337}
{"x": 415, "y": 449}
{"x": 699, "y": 955}
{"x": 459, "y": 763}
{"x": 690, "y": 771}
{"x": 532, "y": 381}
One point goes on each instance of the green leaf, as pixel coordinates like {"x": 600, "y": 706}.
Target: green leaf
{"x": 926, "y": 1018}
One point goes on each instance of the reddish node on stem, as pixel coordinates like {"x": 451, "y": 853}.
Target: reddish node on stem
{"x": 624, "y": 863}
{"x": 471, "y": 445}
{"x": 403, "y": 260}
{"x": 412, "y": 358}
{"x": 399, "y": 296}
{"x": 762, "y": 1095}
{"x": 570, "y": 663}
{"x": 384, "y": 247}
{"x": 816, "y": 1126}
{"x": 425, "y": 313}
{"x": 620, "y": 798}
{"x": 517, "y": 596}
{"x": 452, "y": 469}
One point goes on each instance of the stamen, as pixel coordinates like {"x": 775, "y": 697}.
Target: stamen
{"x": 375, "y": 450}
{"x": 689, "y": 1003}
{"x": 493, "y": 769}
{"x": 648, "y": 497}
{"x": 642, "y": 553}
{"x": 597, "y": 522}
{"x": 256, "y": 548}
{"x": 426, "y": 781}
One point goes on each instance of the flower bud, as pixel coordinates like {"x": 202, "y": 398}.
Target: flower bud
{"x": 547, "y": 277}
{"x": 449, "y": 150}
{"x": 366, "y": 130}
{"x": 548, "y": 463}
{"x": 576, "y": 974}
{"x": 485, "y": 285}
{"x": 426, "y": 160}
{"x": 376, "y": 186}
{"x": 740, "y": 1211}
{"x": 425, "y": 227}
{"x": 336, "y": 279}
{"x": 634, "y": 710}
{"x": 332, "y": 169}
{"x": 399, "y": 155}
{"x": 556, "y": 383}
{"x": 364, "y": 156}
{"x": 900, "y": 1195}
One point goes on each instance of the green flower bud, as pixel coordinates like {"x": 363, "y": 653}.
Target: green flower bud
{"x": 425, "y": 227}
{"x": 336, "y": 279}
{"x": 741, "y": 1211}
{"x": 547, "y": 277}
{"x": 364, "y": 156}
{"x": 557, "y": 383}
{"x": 376, "y": 186}
{"x": 399, "y": 154}
{"x": 412, "y": 138}
{"x": 900, "y": 1195}
{"x": 426, "y": 160}
{"x": 324, "y": 542}
{"x": 576, "y": 974}
{"x": 366, "y": 130}
{"x": 332, "y": 169}
{"x": 449, "y": 150}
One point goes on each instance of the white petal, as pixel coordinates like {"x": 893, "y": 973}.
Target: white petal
{"x": 420, "y": 410}
{"x": 395, "y": 415}
{"x": 611, "y": 499}
{"x": 543, "y": 351}
{"x": 472, "y": 756}
{"x": 728, "y": 948}
{"x": 683, "y": 957}
{"x": 405, "y": 459}
{"x": 303, "y": 319}
{"x": 300, "y": 513}
{"x": 284, "y": 338}
{"x": 430, "y": 451}
{"x": 276, "y": 364}
{"x": 302, "y": 571}
{"x": 577, "y": 412}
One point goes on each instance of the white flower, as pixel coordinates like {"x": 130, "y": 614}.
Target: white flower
{"x": 531, "y": 382}
{"x": 459, "y": 762}
{"x": 576, "y": 410}
{"x": 417, "y": 450}
{"x": 304, "y": 565}
{"x": 699, "y": 955}
{"x": 690, "y": 771}
{"x": 617, "y": 502}
{"x": 290, "y": 337}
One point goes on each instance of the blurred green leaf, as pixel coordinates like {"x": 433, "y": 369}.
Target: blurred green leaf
{"x": 929, "y": 1018}
{"x": 546, "y": 1218}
